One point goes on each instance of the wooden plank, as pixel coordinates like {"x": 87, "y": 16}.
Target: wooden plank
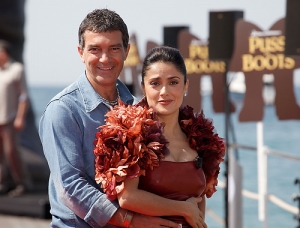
{"x": 31, "y": 204}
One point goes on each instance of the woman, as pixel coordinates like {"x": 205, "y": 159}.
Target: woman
{"x": 150, "y": 155}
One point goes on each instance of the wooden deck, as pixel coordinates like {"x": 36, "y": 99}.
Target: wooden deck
{"x": 30, "y": 210}
{"x": 14, "y": 221}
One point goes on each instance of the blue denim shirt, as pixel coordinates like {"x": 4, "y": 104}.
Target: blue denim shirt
{"x": 67, "y": 131}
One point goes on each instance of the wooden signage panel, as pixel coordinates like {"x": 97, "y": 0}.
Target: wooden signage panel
{"x": 259, "y": 52}
{"x": 195, "y": 53}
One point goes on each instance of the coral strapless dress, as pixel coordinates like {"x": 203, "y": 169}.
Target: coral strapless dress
{"x": 174, "y": 180}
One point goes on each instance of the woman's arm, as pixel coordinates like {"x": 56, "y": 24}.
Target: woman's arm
{"x": 134, "y": 199}
{"x": 202, "y": 206}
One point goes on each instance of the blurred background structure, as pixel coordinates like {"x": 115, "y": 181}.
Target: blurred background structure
{"x": 12, "y": 22}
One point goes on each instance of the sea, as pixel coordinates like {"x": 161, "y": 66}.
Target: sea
{"x": 283, "y": 136}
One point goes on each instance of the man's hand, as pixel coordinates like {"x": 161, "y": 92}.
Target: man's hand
{"x": 144, "y": 221}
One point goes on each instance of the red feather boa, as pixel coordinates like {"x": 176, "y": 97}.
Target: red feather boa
{"x": 132, "y": 140}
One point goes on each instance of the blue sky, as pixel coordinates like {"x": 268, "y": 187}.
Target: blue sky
{"x": 51, "y": 26}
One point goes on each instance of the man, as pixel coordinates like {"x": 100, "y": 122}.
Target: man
{"x": 69, "y": 124}
{"x": 14, "y": 103}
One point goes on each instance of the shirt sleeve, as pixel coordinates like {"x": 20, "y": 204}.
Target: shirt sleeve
{"x": 62, "y": 136}
{"x": 22, "y": 86}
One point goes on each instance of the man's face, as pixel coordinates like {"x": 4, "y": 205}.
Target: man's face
{"x": 103, "y": 56}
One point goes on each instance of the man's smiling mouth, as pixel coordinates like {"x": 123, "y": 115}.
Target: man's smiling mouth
{"x": 105, "y": 68}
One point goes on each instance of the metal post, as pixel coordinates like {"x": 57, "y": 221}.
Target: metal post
{"x": 227, "y": 115}
{"x": 262, "y": 176}
{"x": 297, "y": 198}
{"x": 235, "y": 179}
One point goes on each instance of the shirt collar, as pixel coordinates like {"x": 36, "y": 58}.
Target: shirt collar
{"x": 92, "y": 99}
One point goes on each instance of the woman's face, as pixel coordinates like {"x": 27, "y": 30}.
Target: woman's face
{"x": 164, "y": 88}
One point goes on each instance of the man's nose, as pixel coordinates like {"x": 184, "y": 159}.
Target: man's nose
{"x": 104, "y": 57}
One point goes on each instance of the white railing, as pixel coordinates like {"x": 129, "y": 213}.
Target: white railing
{"x": 272, "y": 198}
{"x": 262, "y": 194}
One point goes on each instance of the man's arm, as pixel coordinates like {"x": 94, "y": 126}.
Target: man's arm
{"x": 139, "y": 220}
{"x": 62, "y": 135}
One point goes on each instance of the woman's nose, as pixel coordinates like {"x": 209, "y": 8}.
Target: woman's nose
{"x": 163, "y": 90}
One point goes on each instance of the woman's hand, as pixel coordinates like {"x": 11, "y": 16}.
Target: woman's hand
{"x": 195, "y": 216}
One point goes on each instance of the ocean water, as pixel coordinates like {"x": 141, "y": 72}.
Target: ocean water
{"x": 281, "y": 136}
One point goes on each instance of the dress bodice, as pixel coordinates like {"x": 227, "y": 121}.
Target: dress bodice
{"x": 174, "y": 180}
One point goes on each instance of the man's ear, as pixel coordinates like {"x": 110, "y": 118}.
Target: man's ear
{"x": 127, "y": 50}
{"x": 80, "y": 51}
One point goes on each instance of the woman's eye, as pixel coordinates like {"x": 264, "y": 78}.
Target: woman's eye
{"x": 174, "y": 83}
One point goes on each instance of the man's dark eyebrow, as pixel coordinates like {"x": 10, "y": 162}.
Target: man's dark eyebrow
{"x": 117, "y": 45}
{"x": 96, "y": 46}
{"x": 92, "y": 45}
